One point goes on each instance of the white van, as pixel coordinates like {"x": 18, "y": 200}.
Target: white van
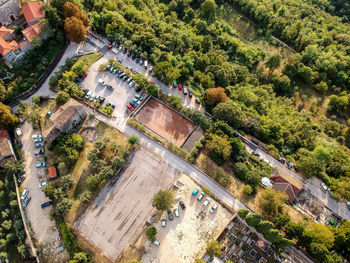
{"x": 145, "y": 64}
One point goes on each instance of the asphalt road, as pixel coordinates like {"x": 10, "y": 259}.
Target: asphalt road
{"x": 45, "y": 230}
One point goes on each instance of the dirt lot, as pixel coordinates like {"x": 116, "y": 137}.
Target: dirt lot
{"x": 191, "y": 141}
{"x": 118, "y": 214}
{"x": 185, "y": 238}
{"x": 165, "y": 121}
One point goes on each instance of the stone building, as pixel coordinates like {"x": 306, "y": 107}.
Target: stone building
{"x": 9, "y": 11}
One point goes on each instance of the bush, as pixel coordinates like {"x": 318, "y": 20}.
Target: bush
{"x": 70, "y": 241}
{"x": 247, "y": 189}
{"x": 163, "y": 200}
{"x": 213, "y": 248}
{"x": 133, "y": 139}
{"x": 151, "y": 233}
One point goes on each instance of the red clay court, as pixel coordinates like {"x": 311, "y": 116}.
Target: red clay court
{"x": 164, "y": 121}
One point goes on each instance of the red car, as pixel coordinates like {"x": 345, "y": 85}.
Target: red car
{"x": 180, "y": 87}
{"x": 84, "y": 75}
{"x": 130, "y": 108}
{"x": 151, "y": 82}
{"x": 110, "y": 47}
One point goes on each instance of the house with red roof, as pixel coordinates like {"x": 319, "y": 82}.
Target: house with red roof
{"x": 6, "y": 150}
{"x": 8, "y": 45}
{"x": 284, "y": 183}
{"x": 35, "y": 19}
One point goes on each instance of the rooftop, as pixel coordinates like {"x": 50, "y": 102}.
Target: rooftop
{"x": 32, "y": 12}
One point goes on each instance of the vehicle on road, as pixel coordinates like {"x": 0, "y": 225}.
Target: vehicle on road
{"x": 133, "y": 104}
{"x": 26, "y": 201}
{"x": 323, "y": 187}
{"x": 38, "y": 140}
{"x": 200, "y": 197}
{"x": 151, "y": 69}
{"x": 110, "y": 87}
{"x": 180, "y": 87}
{"x": 40, "y": 165}
{"x": 49, "y": 113}
{"x": 207, "y": 201}
{"x": 185, "y": 91}
{"x": 290, "y": 165}
{"x": 266, "y": 161}
{"x": 182, "y": 205}
{"x": 195, "y": 191}
{"x": 129, "y": 107}
{"x": 19, "y": 143}
{"x": 163, "y": 222}
{"x": 46, "y": 204}
{"x": 197, "y": 100}
{"x": 280, "y": 159}
{"x": 176, "y": 212}
{"x": 18, "y": 132}
{"x": 145, "y": 64}
{"x": 79, "y": 53}
{"x": 43, "y": 184}
{"x": 102, "y": 82}
{"x": 36, "y": 136}
{"x": 170, "y": 215}
{"x": 256, "y": 154}
{"x": 24, "y": 193}
{"x": 87, "y": 96}
{"x": 40, "y": 151}
{"x": 40, "y": 144}
{"x": 190, "y": 92}
{"x": 213, "y": 208}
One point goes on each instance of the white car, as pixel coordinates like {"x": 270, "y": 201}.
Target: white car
{"x": 24, "y": 194}
{"x": 176, "y": 212}
{"x": 213, "y": 208}
{"x": 37, "y": 136}
{"x": 43, "y": 184}
{"x": 87, "y": 96}
{"x": 92, "y": 97}
{"x": 266, "y": 161}
{"x": 207, "y": 201}
{"x": 101, "y": 81}
{"x": 18, "y": 132}
{"x": 156, "y": 242}
{"x": 163, "y": 222}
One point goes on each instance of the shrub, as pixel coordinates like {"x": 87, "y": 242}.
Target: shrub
{"x": 247, "y": 189}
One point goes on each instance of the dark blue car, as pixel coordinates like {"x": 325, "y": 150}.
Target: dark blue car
{"x": 46, "y": 204}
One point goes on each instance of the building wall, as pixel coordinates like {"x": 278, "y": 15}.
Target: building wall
{"x": 8, "y": 8}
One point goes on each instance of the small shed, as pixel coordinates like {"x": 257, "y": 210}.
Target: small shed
{"x": 52, "y": 173}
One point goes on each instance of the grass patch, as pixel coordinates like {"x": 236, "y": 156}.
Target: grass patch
{"x": 105, "y": 131}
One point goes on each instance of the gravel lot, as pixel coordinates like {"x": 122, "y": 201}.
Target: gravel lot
{"x": 45, "y": 230}
{"x": 118, "y": 214}
{"x": 185, "y": 238}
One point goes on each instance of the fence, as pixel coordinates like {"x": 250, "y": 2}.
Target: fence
{"x": 41, "y": 79}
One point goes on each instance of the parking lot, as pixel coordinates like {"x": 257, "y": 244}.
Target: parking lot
{"x": 118, "y": 214}
{"x": 185, "y": 237}
{"x": 44, "y": 229}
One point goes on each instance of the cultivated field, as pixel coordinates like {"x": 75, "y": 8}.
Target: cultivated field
{"x": 185, "y": 238}
{"x": 118, "y": 214}
{"x": 165, "y": 121}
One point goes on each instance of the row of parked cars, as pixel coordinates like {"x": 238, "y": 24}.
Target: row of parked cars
{"x": 135, "y": 102}
{"x": 185, "y": 91}
{"x": 38, "y": 143}
{"x": 171, "y": 215}
{"x": 121, "y": 75}
{"x": 206, "y": 201}
{"x": 287, "y": 162}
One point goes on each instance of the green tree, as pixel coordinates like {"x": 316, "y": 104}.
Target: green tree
{"x": 141, "y": 80}
{"x": 7, "y": 119}
{"x": 243, "y": 212}
{"x": 163, "y": 200}
{"x": 271, "y": 202}
{"x": 67, "y": 182}
{"x": 214, "y": 248}
{"x": 7, "y": 224}
{"x": 151, "y": 233}
{"x": 219, "y": 148}
{"x": 253, "y": 219}
{"x": 321, "y": 234}
{"x": 166, "y": 72}
{"x": 274, "y": 62}
{"x": 264, "y": 226}
{"x": 49, "y": 191}
{"x": 134, "y": 139}
{"x": 61, "y": 98}
{"x": 283, "y": 243}
{"x": 22, "y": 249}
{"x": 81, "y": 257}
{"x": 273, "y": 235}
{"x": 199, "y": 118}
{"x": 229, "y": 112}
{"x": 85, "y": 196}
{"x": 64, "y": 206}
{"x": 106, "y": 172}
{"x": 134, "y": 261}
{"x": 247, "y": 189}
{"x": 208, "y": 10}
{"x": 93, "y": 182}
{"x": 152, "y": 90}
{"x": 52, "y": 17}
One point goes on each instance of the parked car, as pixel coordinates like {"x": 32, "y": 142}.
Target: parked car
{"x": 185, "y": 91}
{"x": 102, "y": 82}
{"x": 174, "y": 84}
{"x": 132, "y": 103}
{"x": 176, "y": 212}
{"x": 137, "y": 60}
{"x": 136, "y": 101}
{"x": 133, "y": 56}
{"x": 122, "y": 75}
{"x": 129, "y": 107}
{"x": 256, "y": 154}
{"x": 207, "y": 201}
{"x": 120, "y": 48}
{"x": 281, "y": 159}
{"x": 180, "y": 87}
{"x": 43, "y": 184}
{"x": 132, "y": 84}
{"x": 108, "y": 66}
{"x": 197, "y": 100}
{"x": 200, "y": 197}
{"x": 290, "y": 165}
{"x": 43, "y": 205}
{"x": 295, "y": 167}
{"x": 129, "y": 80}
{"x": 21, "y": 178}
{"x": 348, "y": 205}
{"x": 19, "y": 143}
{"x": 125, "y": 50}
{"x": 125, "y": 77}
{"x": 109, "y": 87}
{"x": 110, "y": 47}
{"x": 170, "y": 215}
{"x": 195, "y": 191}
{"x": 323, "y": 187}
{"x": 24, "y": 193}
{"x": 138, "y": 89}
{"x": 182, "y": 205}
{"x": 139, "y": 97}
{"x": 40, "y": 144}
{"x": 163, "y": 222}
{"x": 40, "y": 165}
{"x": 118, "y": 73}
{"x": 87, "y": 96}
{"x": 40, "y": 151}
{"x": 213, "y": 208}
{"x": 18, "y": 132}
{"x": 141, "y": 62}
{"x": 83, "y": 76}
{"x": 190, "y": 92}
{"x": 38, "y": 140}
{"x": 101, "y": 99}
{"x": 266, "y": 161}
{"x": 115, "y": 71}
{"x": 151, "y": 69}
{"x": 36, "y": 136}
{"x": 145, "y": 64}
{"x": 92, "y": 97}
{"x": 26, "y": 201}
{"x": 156, "y": 242}
{"x": 111, "y": 69}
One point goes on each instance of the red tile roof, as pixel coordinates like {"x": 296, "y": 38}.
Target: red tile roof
{"x": 52, "y": 172}
{"x": 282, "y": 185}
{"x": 3, "y": 134}
{"x": 32, "y": 12}
{"x": 6, "y": 47}
{"x": 32, "y": 32}
{"x": 4, "y": 31}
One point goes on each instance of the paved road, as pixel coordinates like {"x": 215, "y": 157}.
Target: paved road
{"x": 45, "y": 230}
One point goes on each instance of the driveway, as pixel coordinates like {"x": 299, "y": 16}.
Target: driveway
{"x": 45, "y": 231}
